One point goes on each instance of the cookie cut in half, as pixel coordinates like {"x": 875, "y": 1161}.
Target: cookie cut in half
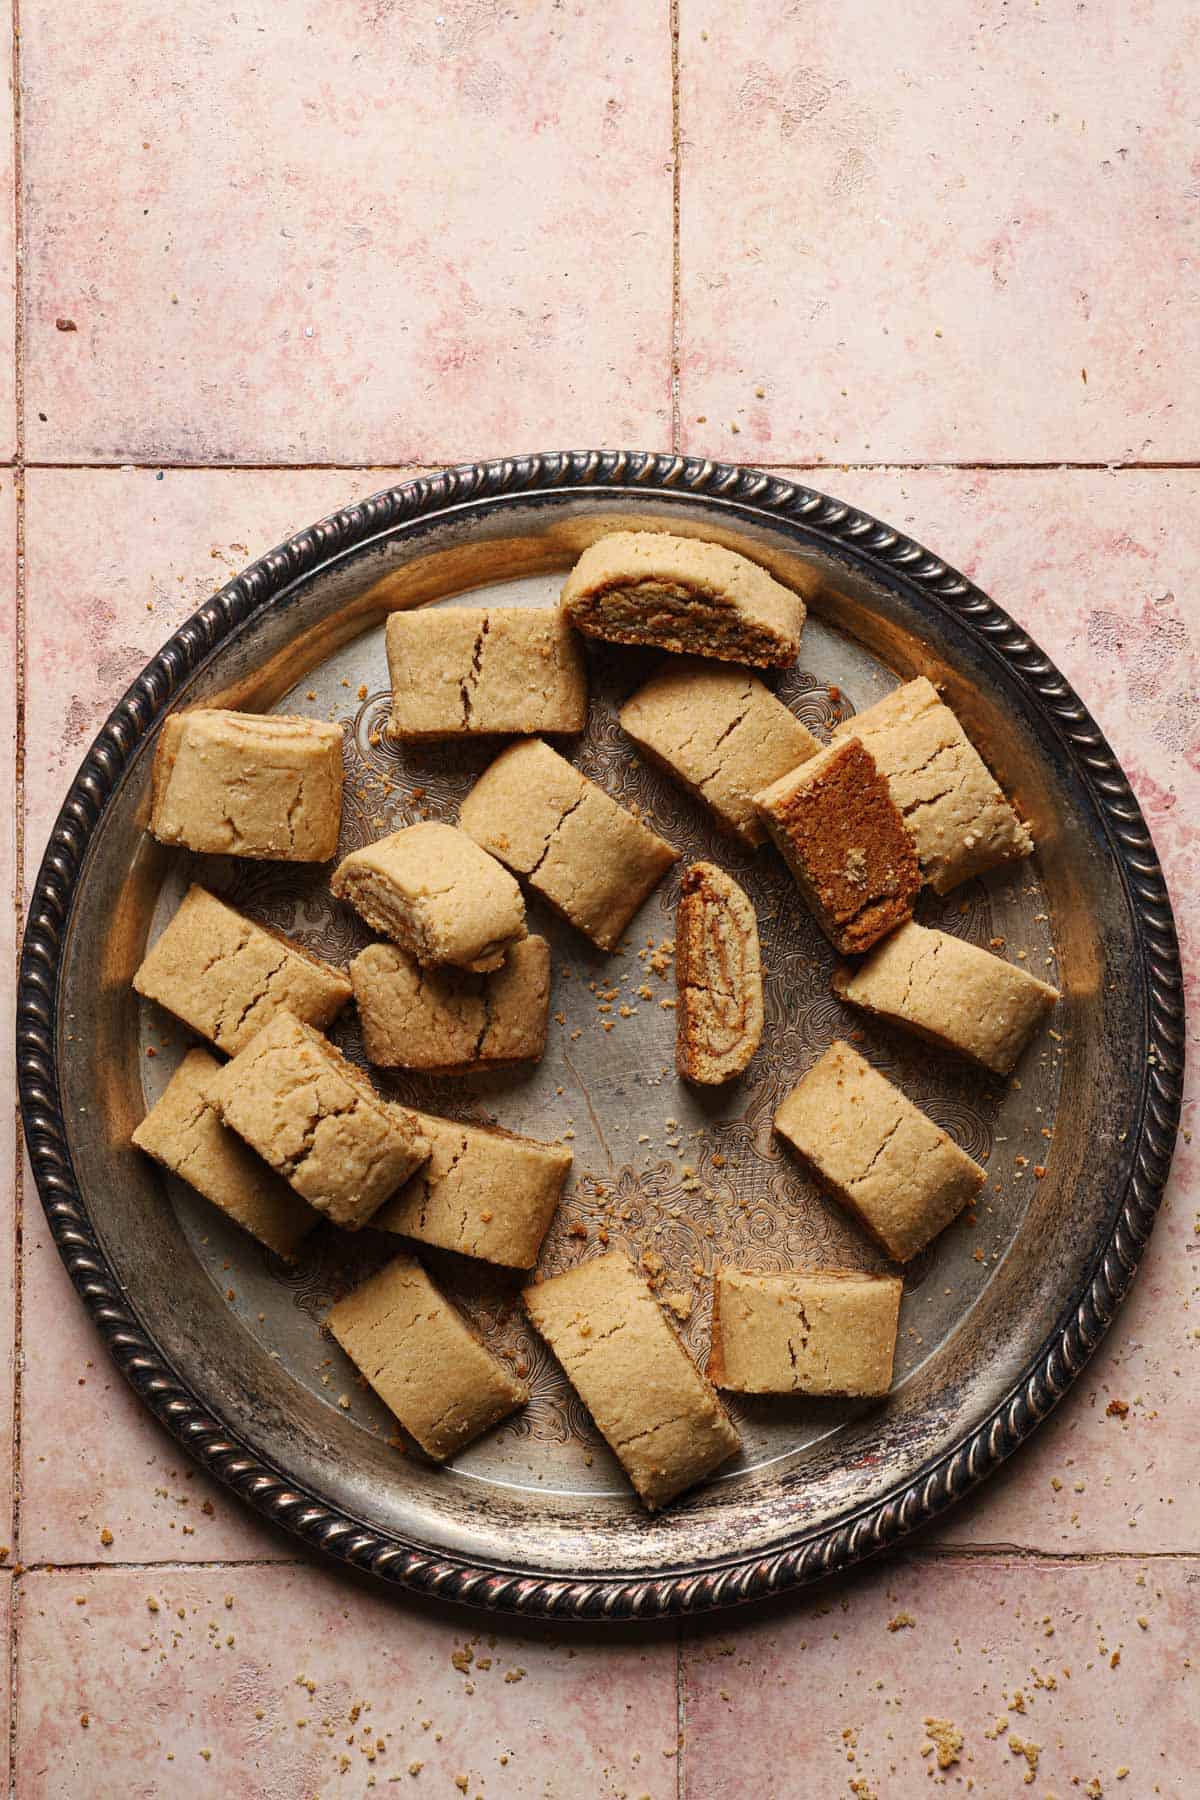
{"x": 684, "y": 595}
{"x": 718, "y": 976}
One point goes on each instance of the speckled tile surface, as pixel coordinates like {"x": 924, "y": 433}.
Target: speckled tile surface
{"x": 8, "y": 869}
{"x": 278, "y": 1684}
{"x": 332, "y": 234}
{"x": 993, "y": 1677}
{"x": 100, "y": 1482}
{"x": 969, "y": 244}
{"x": 380, "y": 236}
{"x": 8, "y": 252}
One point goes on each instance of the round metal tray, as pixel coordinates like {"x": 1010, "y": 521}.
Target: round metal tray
{"x": 223, "y": 1342}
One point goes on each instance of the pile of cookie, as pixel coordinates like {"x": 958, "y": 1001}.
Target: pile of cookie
{"x": 287, "y": 1130}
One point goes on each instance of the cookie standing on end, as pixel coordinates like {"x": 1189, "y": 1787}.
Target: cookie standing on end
{"x": 837, "y": 828}
{"x": 463, "y": 671}
{"x": 659, "y": 1415}
{"x": 446, "y": 1021}
{"x": 318, "y": 1121}
{"x": 594, "y": 862}
{"x": 227, "y": 977}
{"x": 423, "y": 1359}
{"x": 950, "y": 992}
{"x": 960, "y": 822}
{"x": 184, "y": 1133}
{"x": 261, "y": 785}
{"x": 805, "y": 1331}
{"x": 900, "y": 1175}
{"x": 718, "y": 976}
{"x": 691, "y": 597}
{"x": 433, "y": 891}
{"x": 722, "y": 734}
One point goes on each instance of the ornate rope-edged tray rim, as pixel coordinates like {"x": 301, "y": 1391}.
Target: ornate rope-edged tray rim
{"x": 812, "y": 1554}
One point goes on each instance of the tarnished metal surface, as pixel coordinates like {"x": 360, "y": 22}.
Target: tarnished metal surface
{"x": 997, "y": 1315}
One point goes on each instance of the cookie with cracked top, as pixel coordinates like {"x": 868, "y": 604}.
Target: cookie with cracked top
{"x": 950, "y": 992}
{"x": 466, "y": 671}
{"x": 484, "y": 1192}
{"x": 423, "y": 1359}
{"x": 660, "y": 1416}
{"x": 447, "y": 1021}
{"x": 804, "y": 1331}
{"x": 959, "y": 820}
{"x": 594, "y": 862}
{"x": 227, "y": 977}
{"x": 902, "y": 1176}
{"x": 721, "y": 733}
{"x": 317, "y": 1121}
{"x": 183, "y": 1132}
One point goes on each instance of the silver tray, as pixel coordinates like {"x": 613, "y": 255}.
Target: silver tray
{"x": 222, "y": 1341}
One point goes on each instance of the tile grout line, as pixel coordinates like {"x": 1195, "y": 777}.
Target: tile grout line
{"x": 999, "y": 1551}
{"x": 676, "y": 279}
{"x": 680, "y": 1716}
{"x": 981, "y": 1553}
{"x": 435, "y": 463}
{"x": 179, "y": 1566}
{"x": 18, "y": 898}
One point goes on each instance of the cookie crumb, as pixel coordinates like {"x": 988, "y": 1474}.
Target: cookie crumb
{"x": 946, "y": 1739}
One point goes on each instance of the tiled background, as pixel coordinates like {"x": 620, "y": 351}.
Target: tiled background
{"x": 264, "y": 255}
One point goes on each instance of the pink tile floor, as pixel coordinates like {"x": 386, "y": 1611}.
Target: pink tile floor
{"x": 266, "y": 258}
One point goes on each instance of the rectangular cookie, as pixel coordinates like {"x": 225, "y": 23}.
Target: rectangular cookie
{"x": 721, "y": 734}
{"x": 184, "y": 1133}
{"x": 837, "y": 828}
{"x": 881, "y": 1156}
{"x": 447, "y": 1021}
{"x": 423, "y": 1359}
{"x": 317, "y": 1121}
{"x": 227, "y": 977}
{"x": 433, "y": 891}
{"x": 658, "y": 1414}
{"x": 593, "y": 861}
{"x": 685, "y": 595}
{"x": 263, "y": 785}
{"x": 718, "y": 978}
{"x": 950, "y": 992}
{"x": 460, "y": 671}
{"x": 805, "y": 1331}
{"x": 483, "y": 1192}
{"x": 960, "y": 822}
